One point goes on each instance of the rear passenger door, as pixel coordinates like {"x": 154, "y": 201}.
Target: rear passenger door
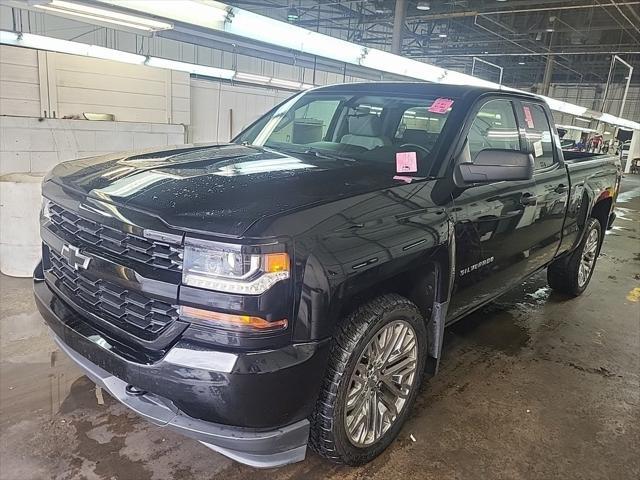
{"x": 494, "y": 222}
{"x": 551, "y": 178}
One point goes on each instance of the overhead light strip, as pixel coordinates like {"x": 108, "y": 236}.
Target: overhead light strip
{"x": 236, "y": 21}
{"x": 103, "y": 15}
{"x": 50, "y": 44}
{"x": 574, "y": 127}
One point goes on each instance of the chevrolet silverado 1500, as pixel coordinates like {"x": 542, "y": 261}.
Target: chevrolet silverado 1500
{"x": 291, "y": 288}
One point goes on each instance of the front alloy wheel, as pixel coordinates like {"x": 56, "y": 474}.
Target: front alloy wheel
{"x": 375, "y": 367}
{"x": 381, "y": 383}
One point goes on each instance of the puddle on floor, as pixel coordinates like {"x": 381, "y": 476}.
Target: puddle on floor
{"x": 495, "y": 329}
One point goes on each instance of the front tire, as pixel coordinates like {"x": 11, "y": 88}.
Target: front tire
{"x": 571, "y": 275}
{"x": 375, "y": 368}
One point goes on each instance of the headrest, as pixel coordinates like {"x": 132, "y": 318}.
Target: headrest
{"x": 365, "y": 125}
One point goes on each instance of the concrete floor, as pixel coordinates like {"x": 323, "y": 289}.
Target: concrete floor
{"x": 534, "y": 386}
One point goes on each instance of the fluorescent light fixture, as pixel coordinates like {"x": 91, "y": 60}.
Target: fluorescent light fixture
{"x": 64, "y": 46}
{"x": 263, "y": 29}
{"x": 385, "y": 61}
{"x": 424, "y": 6}
{"x": 256, "y": 27}
{"x": 564, "y": 107}
{"x": 292, "y": 14}
{"x": 39, "y": 42}
{"x": 270, "y": 81}
{"x": 76, "y": 48}
{"x": 236, "y": 21}
{"x": 103, "y": 15}
{"x": 206, "y": 13}
{"x": 292, "y": 84}
{"x": 251, "y": 78}
{"x": 586, "y": 120}
{"x": 190, "y": 68}
{"x": 442, "y": 35}
{"x": 574, "y": 127}
{"x": 621, "y": 122}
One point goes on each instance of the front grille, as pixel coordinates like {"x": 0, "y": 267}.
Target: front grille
{"x": 112, "y": 241}
{"x": 135, "y": 313}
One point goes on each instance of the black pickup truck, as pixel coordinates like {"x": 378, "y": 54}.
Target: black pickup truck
{"x": 291, "y": 288}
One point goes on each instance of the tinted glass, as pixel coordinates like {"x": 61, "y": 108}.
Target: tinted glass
{"x": 365, "y": 128}
{"x": 538, "y": 135}
{"x": 494, "y": 127}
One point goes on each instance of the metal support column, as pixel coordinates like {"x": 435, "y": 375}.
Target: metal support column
{"x": 398, "y": 26}
{"x": 548, "y": 75}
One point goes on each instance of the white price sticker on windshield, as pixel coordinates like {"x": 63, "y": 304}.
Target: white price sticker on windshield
{"x": 537, "y": 148}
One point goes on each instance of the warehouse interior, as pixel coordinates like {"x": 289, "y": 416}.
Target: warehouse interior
{"x": 530, "y": 386}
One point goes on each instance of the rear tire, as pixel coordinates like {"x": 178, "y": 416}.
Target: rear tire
{"x": 571, "y": 274}
{"x": 360, "y": 387}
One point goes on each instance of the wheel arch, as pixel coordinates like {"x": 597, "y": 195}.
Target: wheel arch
{"x": 427, "y": 285}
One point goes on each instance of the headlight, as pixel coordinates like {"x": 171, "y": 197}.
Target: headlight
{"x": 46, "y": 208}
{"x": 232, "y": 268}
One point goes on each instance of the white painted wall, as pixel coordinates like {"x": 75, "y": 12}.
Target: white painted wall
{"x": 46, "y": 84}
{"x": 220, "y": 111}
{"x": 33, "y": 145}
{"x": 19, "y": 82}
{"x": 133, "y": 93}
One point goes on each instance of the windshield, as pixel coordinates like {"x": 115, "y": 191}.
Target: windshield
{"x": 357, "y": 128}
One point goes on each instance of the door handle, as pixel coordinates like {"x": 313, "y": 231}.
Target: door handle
{"x": 527, "y": 199}
{"x": 562, "y": 188}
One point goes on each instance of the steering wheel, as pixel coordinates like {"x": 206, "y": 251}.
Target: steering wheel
{"x": 415, "y": 145}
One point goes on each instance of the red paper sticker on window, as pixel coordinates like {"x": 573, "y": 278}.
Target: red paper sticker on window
{"x": 406, "y": 162}
{"x": 440, "y": 105}
{"x": 528, "y": 117}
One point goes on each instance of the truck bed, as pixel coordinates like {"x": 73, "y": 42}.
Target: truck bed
{"x": 573, "y": 155}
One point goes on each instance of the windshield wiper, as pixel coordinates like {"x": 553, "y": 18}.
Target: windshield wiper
{"x": 329, "y": 155}
{"x": 311, "y": 151}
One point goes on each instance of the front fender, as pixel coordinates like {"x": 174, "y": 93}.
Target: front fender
{"x": 379, "y": 245}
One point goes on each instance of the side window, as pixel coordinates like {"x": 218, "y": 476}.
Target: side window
{"x": 538, "y": 135}
{"x": 494, "y": 127}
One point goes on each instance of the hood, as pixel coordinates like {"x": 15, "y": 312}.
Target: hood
{"x": 219, "y": 189}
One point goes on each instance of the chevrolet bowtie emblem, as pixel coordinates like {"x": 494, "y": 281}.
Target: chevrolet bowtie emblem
{"x": 76, "y": 259}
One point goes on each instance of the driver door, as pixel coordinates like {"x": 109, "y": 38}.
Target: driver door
{"x": 493, "y": 222}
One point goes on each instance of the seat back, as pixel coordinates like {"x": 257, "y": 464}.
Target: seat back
{"x": 365, "y": 131}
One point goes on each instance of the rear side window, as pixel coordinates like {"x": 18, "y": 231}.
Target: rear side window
{"x": 538, "y": 135}
{"x": 494, "y": 127}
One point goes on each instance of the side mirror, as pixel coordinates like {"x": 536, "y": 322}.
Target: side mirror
{"x": 494, "y": 165}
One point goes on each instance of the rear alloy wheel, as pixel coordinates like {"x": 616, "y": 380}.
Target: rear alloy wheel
{"x": 375, "y": 367}
{"x": 571, "y": 274}
{"x": 588, "y": 258}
